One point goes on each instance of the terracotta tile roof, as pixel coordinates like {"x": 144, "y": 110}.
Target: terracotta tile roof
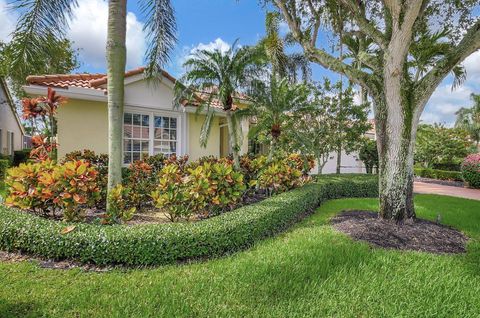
{"x": 96, "y": 81}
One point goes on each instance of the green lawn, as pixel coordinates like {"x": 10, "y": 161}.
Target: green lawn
{"x": 310, "y": 271}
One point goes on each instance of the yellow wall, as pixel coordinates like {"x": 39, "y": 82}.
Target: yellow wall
{"x": 195, "y": 151}
{"x": 82, "y": 125}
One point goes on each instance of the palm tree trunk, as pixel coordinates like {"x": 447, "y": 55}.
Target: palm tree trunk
{"x": 273, "y": 146}
{"x": 116, "y": 59}
{"x": 233, "y": 140}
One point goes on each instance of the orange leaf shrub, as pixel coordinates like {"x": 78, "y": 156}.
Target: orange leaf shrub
{"x": 45, "y": 187}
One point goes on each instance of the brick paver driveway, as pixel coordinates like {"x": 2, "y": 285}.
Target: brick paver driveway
{"x": 431, "y": 188}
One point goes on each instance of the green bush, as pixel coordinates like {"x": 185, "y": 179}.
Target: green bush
{"x": 471, "y": 170}
{"x": 156, "y": 244}
{"x": 438, "y": 174}
{"x": 21, "y": 156}
{"x": 4, "y": 164}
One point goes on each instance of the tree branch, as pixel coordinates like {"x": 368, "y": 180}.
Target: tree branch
{"x": 320, "y": 56}
{"x": 468, "y": 45}
{"x": 365, "y": 26}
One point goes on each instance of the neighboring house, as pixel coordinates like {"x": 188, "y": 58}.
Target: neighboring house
{"x": 11, "y": 129}
{"x": 151, "y": 124}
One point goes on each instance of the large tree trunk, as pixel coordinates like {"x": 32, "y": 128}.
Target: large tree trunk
{"x": 116, "y": 57}
{"x": 396, "y": 134}
{"x": 233, "y": 140}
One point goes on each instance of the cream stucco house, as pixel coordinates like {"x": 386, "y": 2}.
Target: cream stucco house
{"x": 11, "y": 129}
{"x": 151, "y": 124}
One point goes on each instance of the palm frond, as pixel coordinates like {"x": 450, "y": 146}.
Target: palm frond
{"x": 161, "y": 31}
{"x": 459, "y": 76}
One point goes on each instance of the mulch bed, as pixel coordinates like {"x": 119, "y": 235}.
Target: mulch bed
{"x": 421, "y": 235}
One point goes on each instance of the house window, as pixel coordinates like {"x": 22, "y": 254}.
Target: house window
{"x": 148, "y": 134}
{"x": 10, "y": 144}
{"x": 165, "y": 135}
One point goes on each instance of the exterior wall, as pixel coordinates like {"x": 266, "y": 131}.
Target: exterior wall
{"x": 350, "y": 164}
{"x": 195, "y": 151}
{"x": 8, "y": 122}
{"x": 82, "y": 125}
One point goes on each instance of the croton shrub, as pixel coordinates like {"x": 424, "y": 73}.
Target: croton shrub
{"x": 471, "y": 170}
{"x": 199, "y": 189}
{"x": 45, "y": 187}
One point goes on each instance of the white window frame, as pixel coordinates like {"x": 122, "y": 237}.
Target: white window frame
{"x": 1, "y": 141}
{"x": 181, "y": 128}
{"x": 10, "y": 143}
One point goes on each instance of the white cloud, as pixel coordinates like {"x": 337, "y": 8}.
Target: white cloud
{"x": 88, "y": 31}
{"x": 472, "y": 65}
{"x": 444, "y": 103}
{"x": 187, "y": 51}
{"x": 8, "y": 20}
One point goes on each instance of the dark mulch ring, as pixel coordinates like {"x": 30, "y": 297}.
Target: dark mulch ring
{"x": 421, "y": 235}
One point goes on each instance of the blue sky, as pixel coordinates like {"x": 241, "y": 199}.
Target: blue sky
{"x": 208, "y": 23}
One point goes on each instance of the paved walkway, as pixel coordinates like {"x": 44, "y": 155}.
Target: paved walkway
{"x": 431, "y": 188}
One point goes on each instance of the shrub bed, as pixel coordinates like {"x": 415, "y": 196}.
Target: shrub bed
{"x": 166, "y": 243}
{"x": 438, "y": 174}
{"x": 471, "y": 170}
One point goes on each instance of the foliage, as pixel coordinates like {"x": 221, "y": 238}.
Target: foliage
{"x": 46, "y": 187}
{"x": 438, "y": 174}
{"x": 326, "y": 124}
{"x": 282, "y": 175}
{"x": 44, "y": 108}
{"x": 216, "y": 78}
{"x": 4, "y": 164}
{"x": 437, "y": 144}
{"x": 469, "y": 119}
{"x": 141, "y": 181}
{"x": 198, "y": 189}
{"x": 100, "y": 163}
{"x": 471, "y": 170}
{"x": 120, "y": 206}
{"x": 369, "y": 155}
{"x": 166, "y": 243}
{"x": 272, "y": 104}
{"x": 21, "y": 156}
{"x": 55, "y": 57}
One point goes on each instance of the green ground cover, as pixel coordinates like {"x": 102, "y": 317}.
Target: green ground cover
{"x": 309, "y": 271}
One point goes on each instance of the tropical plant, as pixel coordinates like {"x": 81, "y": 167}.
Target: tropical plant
{"x": 219, "y": 77}
{"x": 469, "y": 119}
{"x": 44, "y": 22}
{"x": 120, "y": 208}
{"x": 45, "y": 187}
{"x": 278, "y": 176}
{"x": 369, "y": 155}
{"x": 273, "y": 47}
{"x": 471, "y": 170}
{"x": 398, "y": 97}
{"x": 437, "y": 144}
{"x": 272, "y": 104}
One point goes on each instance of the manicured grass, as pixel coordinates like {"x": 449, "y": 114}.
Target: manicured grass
{"x": 309, "y": 271}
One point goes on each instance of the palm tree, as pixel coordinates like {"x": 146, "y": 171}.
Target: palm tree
{"x": 43, "y": 23}
{"x": 469, "y": 119}
{"x": 273, "y": 50}
{"x": 272, "y": 104}
{"x": 218, "y": 76}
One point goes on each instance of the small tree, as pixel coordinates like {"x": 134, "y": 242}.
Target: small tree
{"x": 271, "y": 105}
{"x": 369, "y": 155}
{"x": 316, "y": 129}
{"x": 469, "y": 119}
{"x": 437, "y": 144}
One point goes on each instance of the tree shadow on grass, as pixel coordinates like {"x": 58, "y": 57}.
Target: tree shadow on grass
{"x": 19, "y": 309}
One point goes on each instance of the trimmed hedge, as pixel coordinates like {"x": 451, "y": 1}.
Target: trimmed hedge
{"x": 438, "y": 174}
{"x": 157, "y": 244}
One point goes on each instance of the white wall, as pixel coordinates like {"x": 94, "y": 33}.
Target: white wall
{"x": 8, "y": 122}
{"x": 350, "y": 164}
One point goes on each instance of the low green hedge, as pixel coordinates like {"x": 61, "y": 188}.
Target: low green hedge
{"x": 157, "y": 244}
{"x": 438, "y": 174}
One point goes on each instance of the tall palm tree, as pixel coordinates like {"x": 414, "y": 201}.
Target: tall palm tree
{"x": 218, "y": 76}
{"x": 273, "y": 50}
{"x": 42, "y": 23}
{"x": 272, "y": 104}
{"x": 469, "y": 119}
